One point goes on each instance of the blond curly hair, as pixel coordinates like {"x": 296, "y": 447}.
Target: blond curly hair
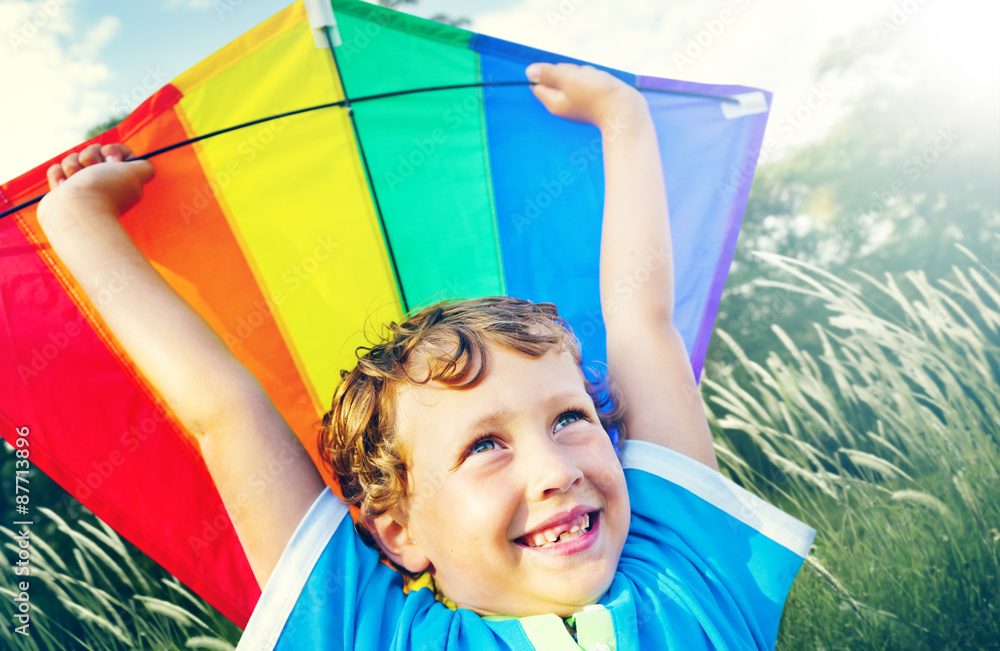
{"x": 448, "y": 343}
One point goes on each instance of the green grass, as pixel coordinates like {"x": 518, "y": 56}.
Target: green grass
{"x": 887, "y": 441}
{"x": 95, "y": 594}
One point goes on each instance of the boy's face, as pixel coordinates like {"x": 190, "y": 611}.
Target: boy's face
{"x": 497, "y": 470}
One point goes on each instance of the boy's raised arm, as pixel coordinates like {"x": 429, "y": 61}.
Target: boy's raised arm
{"x": 646, "y": 355}
{"x": 237, "y": 426}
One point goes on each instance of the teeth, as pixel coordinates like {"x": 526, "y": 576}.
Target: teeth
{"x": 551, "y": 535}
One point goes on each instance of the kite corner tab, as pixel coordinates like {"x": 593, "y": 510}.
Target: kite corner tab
{"x": 750, "y": 103}
{"x": 320, "y": 14}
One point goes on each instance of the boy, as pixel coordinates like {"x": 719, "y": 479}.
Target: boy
{"x": 472, "y": 445}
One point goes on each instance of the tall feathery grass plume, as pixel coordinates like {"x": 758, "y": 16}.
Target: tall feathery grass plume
{"x": 91, "y": 590}
{"x": 886, "y": 438}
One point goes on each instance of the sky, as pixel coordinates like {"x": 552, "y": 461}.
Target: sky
{"x": 68, "y": 65}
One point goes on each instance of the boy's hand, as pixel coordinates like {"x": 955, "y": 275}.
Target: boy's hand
{"x": 582, "y": 93}
{"x": 80, "y": 181}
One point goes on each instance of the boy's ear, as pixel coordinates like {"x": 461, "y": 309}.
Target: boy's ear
{"x": 393, "y": 538}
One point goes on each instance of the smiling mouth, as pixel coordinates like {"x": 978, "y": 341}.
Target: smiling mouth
{"x": 560, "y": 533}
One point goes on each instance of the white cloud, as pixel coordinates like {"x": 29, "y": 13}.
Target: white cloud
{"x": 88, "y": 47}
{"x": 51, "y": 73}
{"x": 198, "y": 5}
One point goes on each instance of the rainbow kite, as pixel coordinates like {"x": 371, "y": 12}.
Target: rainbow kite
{"x": 337, "y": 166}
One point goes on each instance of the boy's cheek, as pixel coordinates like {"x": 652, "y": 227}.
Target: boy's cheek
{"x": 622, "y": 514}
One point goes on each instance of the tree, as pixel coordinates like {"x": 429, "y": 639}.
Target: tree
{"x": 460, "y": 21}
{"x": 910, "y": 172}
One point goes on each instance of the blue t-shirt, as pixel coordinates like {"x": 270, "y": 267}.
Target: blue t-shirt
{"x": 706, "y": 565}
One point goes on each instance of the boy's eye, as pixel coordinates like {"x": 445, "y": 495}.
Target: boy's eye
{"x": 483, "y": 445}
{"x": 568, "y": 418}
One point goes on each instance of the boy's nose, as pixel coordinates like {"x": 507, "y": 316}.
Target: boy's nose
{"x": 551, "y": 470}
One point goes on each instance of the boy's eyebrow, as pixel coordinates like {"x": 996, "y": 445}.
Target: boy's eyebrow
{"x": 503, "y": 414}
{"x": 487, "y": 420}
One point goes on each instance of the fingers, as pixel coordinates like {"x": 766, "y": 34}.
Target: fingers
{"x": 116, "y": 152}
{"x": 534, "y": 71}
{"x": 548, "y": 96}
{"x": 77, "y": 161}
{"x": 578, "y": 93}
{"x": 563, "y": 87}
{"x": 71, "y": 165}
{"x": 546, "y": 86}
{"x": 145, "y": 170}
{"x": 55, "y": 175}
{"x": 91, "y": 155}
{"x": 558, "y": 74}
{"x": 548, "y": 74}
